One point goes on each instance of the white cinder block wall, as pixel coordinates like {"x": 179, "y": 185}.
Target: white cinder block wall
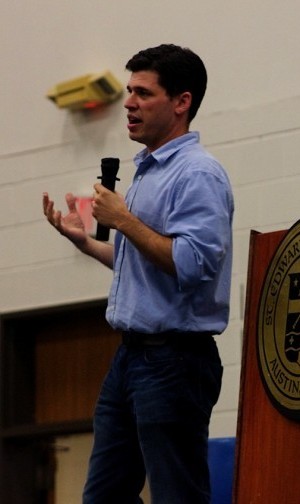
{"x": 250, "y": 120}
{"x": 260, "y": 146}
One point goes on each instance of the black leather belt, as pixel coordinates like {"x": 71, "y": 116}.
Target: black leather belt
{"x": 175, "y": 338}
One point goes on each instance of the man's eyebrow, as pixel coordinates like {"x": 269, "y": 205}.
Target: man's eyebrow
{"x": 137, "y": 88}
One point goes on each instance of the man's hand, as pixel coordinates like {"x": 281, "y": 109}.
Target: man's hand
{"x": 69, "y": 225}
{"x": 108, "y": 208}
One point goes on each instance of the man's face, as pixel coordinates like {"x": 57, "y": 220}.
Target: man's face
{"x": 152, "y": 114}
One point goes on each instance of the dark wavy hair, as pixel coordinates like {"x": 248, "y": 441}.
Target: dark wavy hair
{"x": 179, "y": 70}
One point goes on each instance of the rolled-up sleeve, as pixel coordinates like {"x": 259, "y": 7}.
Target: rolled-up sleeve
{"x": 200, "y": 225}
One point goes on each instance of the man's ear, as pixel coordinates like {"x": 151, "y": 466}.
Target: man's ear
{"x": 184, "y": 101}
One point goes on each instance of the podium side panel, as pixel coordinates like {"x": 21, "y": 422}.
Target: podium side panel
{"x": 268, "y": 444}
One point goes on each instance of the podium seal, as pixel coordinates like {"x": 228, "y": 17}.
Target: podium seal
{"x": 278, "y": 330}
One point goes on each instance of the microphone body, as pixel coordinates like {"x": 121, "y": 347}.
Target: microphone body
{"x": 109, "y": 170}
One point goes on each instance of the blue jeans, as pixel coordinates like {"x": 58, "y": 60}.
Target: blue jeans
{"x": 152, "y": 418}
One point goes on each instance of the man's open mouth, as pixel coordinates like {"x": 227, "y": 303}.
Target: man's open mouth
{"x": 133, "y": 120}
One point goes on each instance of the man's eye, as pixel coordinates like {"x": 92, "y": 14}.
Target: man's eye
{"x": 143, "y": 92}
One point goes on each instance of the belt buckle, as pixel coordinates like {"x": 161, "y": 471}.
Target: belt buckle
{"x": 154, "y": 340}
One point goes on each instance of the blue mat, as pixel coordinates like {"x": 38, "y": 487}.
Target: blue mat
{"x": 221, "y": 466}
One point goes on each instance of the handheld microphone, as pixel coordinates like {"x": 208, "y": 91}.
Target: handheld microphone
{"x": 109, "y": 169}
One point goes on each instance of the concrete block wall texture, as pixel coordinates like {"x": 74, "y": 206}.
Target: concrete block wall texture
{"x": 260, "y": 147}
{"x": 250, "y": 120}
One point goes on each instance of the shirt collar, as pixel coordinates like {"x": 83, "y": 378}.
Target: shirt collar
{"x": 165, "y": 151}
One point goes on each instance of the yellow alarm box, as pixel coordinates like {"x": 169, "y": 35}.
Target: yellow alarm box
{"x": 87, "y": 91}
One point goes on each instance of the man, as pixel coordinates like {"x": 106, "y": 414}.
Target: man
{"x": 170, "y": 292}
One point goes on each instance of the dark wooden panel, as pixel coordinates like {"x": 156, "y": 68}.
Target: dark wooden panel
{"x": 52, "y": 363}
{"x": 72, "y": 357}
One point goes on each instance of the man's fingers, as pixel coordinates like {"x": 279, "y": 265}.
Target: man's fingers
{"x": 71, "y": 202}
{"x": 45, "y": 202}
{"x": 48, "y": 207}
{"x": 57, "y": 219}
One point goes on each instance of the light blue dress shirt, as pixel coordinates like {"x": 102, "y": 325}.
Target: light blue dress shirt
{"x": 181, "y": 191}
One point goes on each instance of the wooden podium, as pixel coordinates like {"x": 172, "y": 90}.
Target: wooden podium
{"x": 268, "y": 442}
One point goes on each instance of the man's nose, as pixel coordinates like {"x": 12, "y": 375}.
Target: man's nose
{"x": 130, "y": 102}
